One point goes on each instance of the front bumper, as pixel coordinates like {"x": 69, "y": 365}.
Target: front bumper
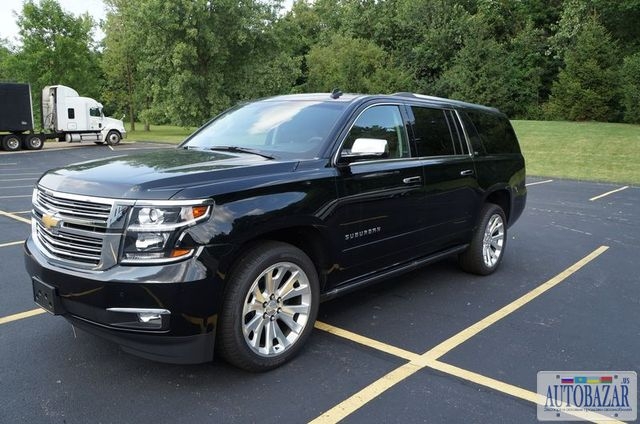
{"x": 94, "y": 301}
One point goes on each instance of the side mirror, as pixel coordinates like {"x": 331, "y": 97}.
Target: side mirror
{"x": 366, "y": 148}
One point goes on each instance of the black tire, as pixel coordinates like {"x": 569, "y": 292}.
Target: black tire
{"x": 113, "y": 138}
{"x": 247, "y": 289}
{"x": 485, "y": 252}
{"x": 33, "y": 142}
{"x": 11, "y": 142}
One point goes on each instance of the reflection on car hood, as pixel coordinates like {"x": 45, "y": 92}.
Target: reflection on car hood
{"x": 158, "y": 175}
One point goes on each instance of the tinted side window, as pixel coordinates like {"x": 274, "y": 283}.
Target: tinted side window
{"x": 496, "y": 132}
{"x": 381, "y": 122}
{"x": 94, "y": 111}
{"x": 71, "y": 113}
{"x": 431, "y": 132}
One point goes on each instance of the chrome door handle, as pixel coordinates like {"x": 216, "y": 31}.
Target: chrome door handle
{"x": 411, "y": 180}
{"x": 466, "y": 172}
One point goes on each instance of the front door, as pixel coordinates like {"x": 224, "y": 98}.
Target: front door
{"x": 376, "y": 213}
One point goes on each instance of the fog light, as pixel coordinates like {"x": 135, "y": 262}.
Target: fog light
{"x": 140, "y": 318}
{"x": 150, "y": 318}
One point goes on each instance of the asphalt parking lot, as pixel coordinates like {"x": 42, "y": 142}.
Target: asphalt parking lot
{"x": 435, "y": 345}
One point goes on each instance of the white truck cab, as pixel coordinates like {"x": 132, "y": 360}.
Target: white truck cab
{"x": 78, "y": 118}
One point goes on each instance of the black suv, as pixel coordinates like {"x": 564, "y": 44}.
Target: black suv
{"x": 236, "y": 236}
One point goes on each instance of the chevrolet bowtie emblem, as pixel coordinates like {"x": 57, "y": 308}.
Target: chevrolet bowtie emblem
{"x": 50, "y": 221}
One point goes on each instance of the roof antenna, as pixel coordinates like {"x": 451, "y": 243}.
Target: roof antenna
{"x": 336, "y": 93}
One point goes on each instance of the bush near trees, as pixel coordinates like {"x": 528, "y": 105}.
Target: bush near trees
{"x": 182, "y": 61}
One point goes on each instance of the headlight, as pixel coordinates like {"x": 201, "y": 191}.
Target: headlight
{"x": 154, "y": 231}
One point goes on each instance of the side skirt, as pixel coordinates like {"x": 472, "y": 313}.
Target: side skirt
{"x": 389, "y": 272}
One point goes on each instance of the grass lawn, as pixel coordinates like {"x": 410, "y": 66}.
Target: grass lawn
{"x": 592, "y": 151}
{"x": 158, "y": 133}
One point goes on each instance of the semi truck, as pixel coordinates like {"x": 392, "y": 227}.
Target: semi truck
{"x": 66, "y": 116}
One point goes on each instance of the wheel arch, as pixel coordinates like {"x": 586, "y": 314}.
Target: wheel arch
{"x": 307, "y": 238}
{"x": 502, "y": 198}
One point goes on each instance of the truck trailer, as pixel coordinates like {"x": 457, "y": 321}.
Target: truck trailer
{"x": 66, "y": 116}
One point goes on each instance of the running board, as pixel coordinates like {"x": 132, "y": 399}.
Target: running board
{"x": 397, "y": 270}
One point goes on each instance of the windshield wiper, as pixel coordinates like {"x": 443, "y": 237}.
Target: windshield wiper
{"x": 240, "y": 150}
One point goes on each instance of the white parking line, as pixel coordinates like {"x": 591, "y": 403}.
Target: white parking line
{"x": 12, "y": 174}
{"x": 13, "y": 197}
{"x": 608, "y": 193}
{"x": 6, "y": 188}
{"x": 539, "y": 182}
{"x": 20, "y": 179}
{"x": 11, "y": 243}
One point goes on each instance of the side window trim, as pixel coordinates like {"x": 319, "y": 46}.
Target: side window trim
{"x": 463, "y": 124}
{"x": 345, "y": 135}
{"x": 454, "y": 140}
{"x": 462, "y": 139}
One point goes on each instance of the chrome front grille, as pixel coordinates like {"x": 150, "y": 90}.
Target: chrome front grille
{"x": 75, "y": 230}
{"x": 93, "y": 213}
{"x": 70, "y": 247}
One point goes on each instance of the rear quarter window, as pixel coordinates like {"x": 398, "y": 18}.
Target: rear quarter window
{"x": 495, "y": 132}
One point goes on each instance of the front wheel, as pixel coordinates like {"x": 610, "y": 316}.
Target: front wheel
{"x": 270, "y": 306}
{"x": 113, "y": 138}
{"x": 486, "y": 249}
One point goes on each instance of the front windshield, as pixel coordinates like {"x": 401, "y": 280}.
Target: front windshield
{"x": 285, "y": 128}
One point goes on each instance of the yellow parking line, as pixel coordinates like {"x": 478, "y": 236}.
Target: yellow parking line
{"x": 366, "y": 395}
{"x": 11, "y": 243}
{"x": 509, "y": 389}
{"x": 387, "y": 348}
{"x": 608, "y": 193}
{"x": 469, "y": 332}
{"x": 16, "y": 217}
{"x": 21, "y": 315}
{"x": 429, "y": 358}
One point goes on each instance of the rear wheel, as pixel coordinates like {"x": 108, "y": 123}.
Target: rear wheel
{"x": 486, "y": 249}
{"x": 113, "y": 138}
{"x": 11, "y": 142}
{"x": 34, "y": 142}
{"x": 270, "y": 306}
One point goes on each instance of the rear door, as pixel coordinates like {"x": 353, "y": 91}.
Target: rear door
{"x": 450, "y": 187}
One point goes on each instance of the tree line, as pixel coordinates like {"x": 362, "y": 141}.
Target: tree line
{"x": 183, "y": 61}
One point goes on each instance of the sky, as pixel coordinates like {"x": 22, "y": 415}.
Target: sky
{"x": 9, "y": 29}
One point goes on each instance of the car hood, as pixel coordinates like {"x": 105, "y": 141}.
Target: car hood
{"x": 161, "y": 174}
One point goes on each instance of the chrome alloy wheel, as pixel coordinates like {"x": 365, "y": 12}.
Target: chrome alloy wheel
{"x": 276, "y": 309}
{"x": 493, "y": 240}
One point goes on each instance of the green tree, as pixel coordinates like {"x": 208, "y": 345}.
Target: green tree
{"x": 426, "y": 35}
{"x": 120, "y": 61}
{"x": 354, "y": 65}
{"x": 5, "y": 57}
{"x": 55, "y": 47}
{"x": 631, "y": 88}
{"x": 503, "y": 74}
{"x": 192, "y": 59}
{"x": 587, "y": 86}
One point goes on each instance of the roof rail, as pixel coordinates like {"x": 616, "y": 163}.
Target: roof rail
{"x": 444, "y": 100}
